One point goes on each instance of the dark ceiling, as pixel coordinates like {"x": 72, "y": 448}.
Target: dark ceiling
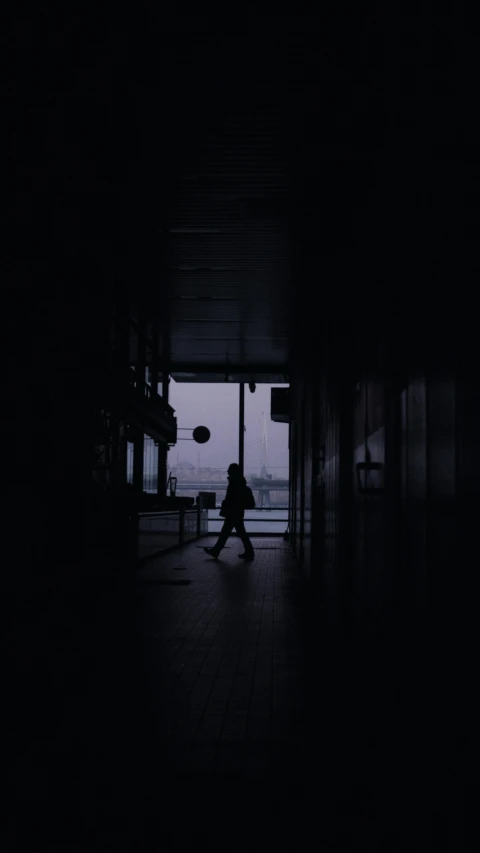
{"x": 255, "y": 185}
{"x": 246, "y": 139}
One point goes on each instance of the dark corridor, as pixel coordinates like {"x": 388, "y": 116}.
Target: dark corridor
{"x": 289, "y": 201}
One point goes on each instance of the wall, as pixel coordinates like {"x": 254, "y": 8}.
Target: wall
{"x": 300, "y": 444}
{"x": 320, "y": 481}
{"x": 371, "y": 573}
{"x": 386, "y": 559}
{"x": 330, "y": 437}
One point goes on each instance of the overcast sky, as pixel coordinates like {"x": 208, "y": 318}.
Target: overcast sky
{"x": 216, "y": 406}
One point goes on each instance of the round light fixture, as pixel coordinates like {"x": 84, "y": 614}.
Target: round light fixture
{"x": 201, "y": 434}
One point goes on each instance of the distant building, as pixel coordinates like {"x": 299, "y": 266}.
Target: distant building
{"x": 184, "y": 464}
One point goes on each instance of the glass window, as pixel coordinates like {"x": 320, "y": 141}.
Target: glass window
{"x": 266, "y": 465}
{"x": 150, "y": 465}
{"x": 203, "y": 467}
{"x": 130, "y": 462}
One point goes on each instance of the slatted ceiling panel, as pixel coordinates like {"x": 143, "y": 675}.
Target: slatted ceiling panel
{"x": 258, "y": 343}
{"x": 225, "y": 209}
{"x": 232, "y": 353}
{"x": 256, "y": 340}
{"x": 226, "y": 188}
{"x": 204, "y": 312}
{"x": 180, "y": 247}
{"x": 229, "y": 205}
{"x": 226, "y": 161}
{"x": 216, "y": 343}
{"x": 210, "y": 333}
{"x": 210, "y": 311}
{"x": 244, "y": 289}
{"x": 242, "y": 252}
{"x": 228, "y": 283}
{"x": 230, "y": 254}
{"x": 223, "y": 312}
{"x": 239, "y": 147}
{"x": 242, "y": 315}
{"x": 267, "y": 230}
{"x": 212, "y": 337}
{"x": 235, "y": 182}
{"x": 254, "y": 330}
{"x": 260, "y": 329}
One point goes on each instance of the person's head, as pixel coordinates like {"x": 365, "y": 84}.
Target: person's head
{"x": 234, "y": 470}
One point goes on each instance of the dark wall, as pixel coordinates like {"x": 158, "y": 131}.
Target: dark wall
{"x": 389, "y": 558}
{"x": 384, "y": 311}
{"x": 299, "y": 452}
{"x": 320, "y": 483}
{"x": 330, "y": 438}
{"x": 370, "y": 569}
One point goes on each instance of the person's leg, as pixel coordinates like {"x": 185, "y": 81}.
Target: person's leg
{"x": 227, "y": 528}
{"x": 240, "y": 528}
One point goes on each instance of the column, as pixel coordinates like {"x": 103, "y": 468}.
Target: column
{"x": 241, "y": 427}
{"x": 162, "y": 447}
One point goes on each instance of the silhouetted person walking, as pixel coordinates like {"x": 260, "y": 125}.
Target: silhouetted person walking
{"x": 233, "y": 508}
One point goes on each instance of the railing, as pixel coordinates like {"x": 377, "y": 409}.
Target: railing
{"x": 162, "y": 531}
{"x": 258, "y": 522}
{"x": 158, "y": 532}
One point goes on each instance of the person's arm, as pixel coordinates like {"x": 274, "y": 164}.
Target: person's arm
{"x": 227, "y": 499}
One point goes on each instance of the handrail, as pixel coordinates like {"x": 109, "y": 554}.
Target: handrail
{"x": 159, "y": 512}
{"x": 167, "y": 512}
{"x": 178, "y": 533}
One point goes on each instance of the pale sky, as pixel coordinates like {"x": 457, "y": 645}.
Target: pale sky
{"x": 216, "y": 406}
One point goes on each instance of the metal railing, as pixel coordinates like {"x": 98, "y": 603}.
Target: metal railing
{"x": 158, "y": 532}
{"x": 264, "y": 523}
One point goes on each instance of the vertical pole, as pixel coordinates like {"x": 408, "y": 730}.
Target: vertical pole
{"x": 164, "y": 333}
{"x": 154, "y": 383}
{"x": 165, "y": 379}
{"x": 154, "y": 364}
{"x": 241, "y": 427}
{"x": 162, "y": 447}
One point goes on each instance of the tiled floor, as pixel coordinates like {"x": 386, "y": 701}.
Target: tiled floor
{"x": 244, "y": 735}
{"x": 223, "y": 688}
{"x": 221, "y": 719}
{"x": 222, "y": 657}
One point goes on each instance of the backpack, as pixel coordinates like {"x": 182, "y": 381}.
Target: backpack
{"x": 249, "y": 499}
